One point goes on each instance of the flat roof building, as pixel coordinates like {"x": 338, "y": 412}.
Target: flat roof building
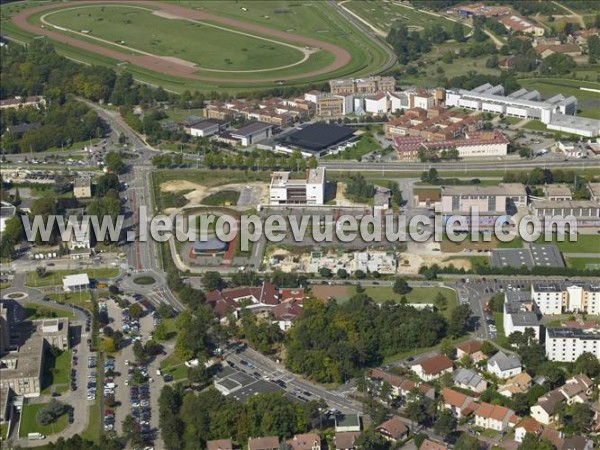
{"x": 284, "y": 190}
{"x": 74, "y": 283}
{"x": 252, "y": 133}
{"x": 567, "y": 344}
{"x": 317, "y": 138}
{"x": 585, "y": 213}
{"x": 533, "y": 256}
{"x": 206, "y": 127}
{"x": 519, "y": 313}
{"x": 82, "y": 188}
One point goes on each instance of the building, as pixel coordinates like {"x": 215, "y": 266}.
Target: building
{"x": 377, "y": 104}
{"x": 82, "y": 188}
{"x": 522, "y": 103}
{"x": 544, "y": 50}
{"x": 581, "y": 126}
{"x": 559, "y": 298}
{"x": 533, "y": 256}
{"x": 207, "y": 127}
{"x": 516, "y": 23}
{"x": 315, "y": 139}
{"x": 432, "y": 368}
{"x": 393, "y": 429}
{"x": 503, "y": 365}
{"x": 332, "y": 105}
{"x": 252, "y": 133}
{"x": 219, "y": 444}
{"x": 594, "y": 189}
{"x": 567, "y": 344}
{"x": 211, "y": 246}
{"x": 467, "y": 379}
{"x": 382, "y": 200}
{"x": 519, "y": 384}
{"x": 7, "y": 211}
{"x": 577, "y": 389}
{"x": 544, "y": 411}
{"x": 347, "y": 422}
{"x": 557, "y": 192}
{"x": 429, "y": 444}
{"x": 228, "y": 300}
{"x": 586, "y": 213}
{"x": 345, "y": 440}
{"x": 494, "y": 417}
{"x": 472, "y": 349}
{"x": 519, "y": 313}
{"x": 370, "y": 85}
{"x": 76, "y": 283}
{"x": 459, "y": 404}
{"x": 401, "y": 386}
{"x": 263, "y": 443}
{"x": 527, "y": 426}
{"x": 34, "y": 101}
{"x": 307, "y": 191}
{"x": 306, "y": 441}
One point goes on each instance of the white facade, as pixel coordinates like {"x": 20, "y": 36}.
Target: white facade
{"x": 398, "y": 101}
{"x": 377, "y": 105}
{"x": 483, "y": 149}
{"x": 424, "y": 101}
{"x": 80, "y": 236}
{"x": 553, "y": 299}
{"x": 547, "y": 298}
{"x": 309, "y": 191}
{"x": 204, "y": 130}
{"x": 75, "y": 283}
{"x": 567, "y": 344}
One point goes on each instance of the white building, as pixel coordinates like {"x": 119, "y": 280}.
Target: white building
{"x": 433, "y": 368}
{"x": 7, "y": 211}
{"x": 575, "y": 125}
{"x": 252, "y": 133}
{"x": 493, "y": 417}
{"x": 575, "y": 297}
{"x": 80, "y": 235}
{"x": 377, "y": 104}
{"x": 503, "y": 365}
{"x": 76, "y": 283}
{"x": 567, "y": 344}
{"x": 206, "y": 128}
{"x": 519, "y": 313}
{"x": 584, "y": 212}
{"x": 308, "y": 191}
{"x": 398, "y": 101}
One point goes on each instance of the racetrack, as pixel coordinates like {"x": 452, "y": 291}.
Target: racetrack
{"x": 171, "y": 66}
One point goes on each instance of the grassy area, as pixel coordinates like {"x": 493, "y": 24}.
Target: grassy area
{"x": 512, "y": 120}
{"x": 29, "y": 423}
{"x": 588, "y": 102}
{"x": 144, "y": 280}
{"x": 585, "y": 243}
{"x": 448, "y": 246}
{"x": 34, "y": 311}
{"x": 536, "y": 125}
{"x": 222, "y": 198}
{"x": 416, "y": 351}
{"x": 366, "y": 144}
{"x": 55, "y": 376}
{"x": 174, "y": 366}
{"x": 92, "y": 432}
{"x": 500, "y": 336}
{"x": 473, "y": 260}
{"x": 83, "y": 299}
{"x": 3, "y": 430}
{"x": 179, "y": 115}
{"x": 583, "y": 263}
{"x": 54, "y": 277}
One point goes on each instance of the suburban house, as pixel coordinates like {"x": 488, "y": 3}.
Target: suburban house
{"x": 467, "y": 379}
{"x": 577, "y": 389}
{"x": 306, "y": 441}
{"x": 503, "y": 365}
{"x": 393, "y": 429}
{"x": 347, "y": 422}
{"x": 494, "y": 417}
{"x": 219, "y": 444}
{"x": 433, "y": 368}
{"x": 544, "y": 411}
{"x": 459, "y": 404}
{"x": 345, "y": 440}
{"x": 528, "y": 425}
{"x": 401, "y": 386}
{"x": 429, "y": 444}
{"x": 518, "y": 384}
{"x": 263, "y": 443}
{"x": 471, "y": 349}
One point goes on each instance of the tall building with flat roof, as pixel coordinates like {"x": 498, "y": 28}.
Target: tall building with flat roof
{"x": 284, "y": 190}
{"x": 572, "y": 297}
{"x": 567, "y": 344}
{"x": 520, "y": 313}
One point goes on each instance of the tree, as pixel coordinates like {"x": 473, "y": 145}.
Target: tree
{"x": 520, "y": 403}
{"x": 342, "y": 273}
{"x": 557, "y": 64}
{"x": 212, "y": 280}
{"x": 359, "y": 274}
{"x": 440, "y": 301}
{"x": 445, "y": 424}
{"x": 370, "y": 440}
{"x": 325, "y": 272}
{"x": 130, "y": 427}
{"x": 488, "y": 349}
{"x": 401, "y": 286}
{"x": 459, "y": 320}
{"x": 114, "y": 162}
{"x": 581, "y": 418}
{"x": 138, "y": 351}
{"x": 51, "y": 412}
{"x": 419, "y": 439}
{"x": 447, "y": 347}
{"x": 136, "y": 310}
{"x": 532, "y": 442}
{"x": 458, "y": 32}
{"x": 415, "y": 409}
{"x": 40, "y": 271}
{"x": 467, "y": 442}
{"x": 587, "y": 364}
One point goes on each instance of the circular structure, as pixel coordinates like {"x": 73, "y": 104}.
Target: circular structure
{"x": 144, "y": 280}
{"x": 15, "y": 296}
{"x": 232, "y": 51}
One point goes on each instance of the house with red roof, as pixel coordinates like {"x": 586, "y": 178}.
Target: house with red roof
{"x": 433, "y": 368}
{"x": 494, "y": 417}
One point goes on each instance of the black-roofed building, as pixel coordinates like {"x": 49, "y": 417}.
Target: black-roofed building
{"x": 545, "y": 255}
{"x": 211, "y": 246}
{"x": 317, "y": 138}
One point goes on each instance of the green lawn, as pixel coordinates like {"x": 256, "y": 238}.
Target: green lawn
{"x": 175, "y": 367}
{"x": 583, "y": 263}
{"x": 56, "y": 372}
{"x": 222, "y": 198}
{"x": 34, "y": 311}
{"x": 179, "y": 114}
{"x": 512, "y": 120}
{"x": 500, "y": 336}
{"x": 83, "y": 299}
{"x": 449, "y": 246}
{"x": 475, "y": 260}
{"x": 585, "y": 243}
{"x": 54, "y": 277}
{"x": 366, "y": 144}
{"x": 536, "y": 125}
{"x": 92, "y": 432}
{"x": 29, "y": 423}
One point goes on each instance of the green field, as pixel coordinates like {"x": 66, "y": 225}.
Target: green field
{"x": 220, "y": 50}
{"x": 54, "y": 278}
{"x": 589, "y": 102}
{"x": 366, "y": 144}
{"x": 583, "y": 263}
{"x": 175, "y": 367}
{"x": 585, "y": 243}
{"x": 29, "y": 423}
{"x": 55, "y": 376}
{"x": 314, "y": 19}
{"x": 34, "y": 312}
{"x": 83, "y": 299}
{"x": 223, "y": 198}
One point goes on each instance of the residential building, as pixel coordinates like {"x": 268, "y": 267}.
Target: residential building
{"x": 263, "y": 297}
{"x": 377, "y": 103}
{"x": 345, "y": 440}
{"x": 544, "y": 411}
{"x": 82, "y": 188}
{"x": 76, "y": 283}
{"x": 494, "y": 417}
{"x": 7, "y": 211}
{"x": 252, "y": 133}
{"x": 429, "y": 444}
{"x": 567, "y": 344}
{"x": 306, "y": 441}
{"x": 347, "y": 422}
{"x": 503, "y": 365}
{"x": 263, "y": 443}
{"x": 393, "y": 429}
{"x": 516, "y": 23}
{"x": 207, "y": 127}
{"x": 459, "y": 404}
{"x": 332, "y": 105}
{"x": 470, "y": 380}
{"x": 432, "y": 123}
{"x": 472, "y": 349}
{"x": 577, "y": 389}
{"x": 559, "y": 298}
{"x": 585, "y": 212}
{"x": 519, "y": 313}
{"x": 557, "y": 192}
{"x": 527, "y": 426}
{"x": 370, "y": 85}
{"x": 401, "y": 386}
{"x": 284, "y": 314}
{"x": 219, "y": 444}
{"x": 17, "y": 102}
{"x": 308, "y": 191}
{"x": 519, "y": 384}
{"x": 432, "y": 368}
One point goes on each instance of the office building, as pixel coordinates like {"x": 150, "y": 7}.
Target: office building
{"x": 284, "y": 190}
{"x": 370, "y": 85}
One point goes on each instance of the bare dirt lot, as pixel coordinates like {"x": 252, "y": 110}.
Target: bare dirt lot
{"x": 325, "y": 292}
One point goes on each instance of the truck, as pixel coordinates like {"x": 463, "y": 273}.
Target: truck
{"x": 35, "y": 436}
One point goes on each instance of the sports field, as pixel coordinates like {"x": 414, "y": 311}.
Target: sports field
{"x": 204, "y": 45}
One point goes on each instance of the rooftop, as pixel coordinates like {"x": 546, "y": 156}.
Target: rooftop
{"x": 250, "y": 129}
{"x": 573, "y": 333}
{"x": 79, "y": 279}
{"x": 436, "y": 364}
{"x": 317, "y": 136}
{"x": 504, "y": 361}
{"x": 511, "y": 189}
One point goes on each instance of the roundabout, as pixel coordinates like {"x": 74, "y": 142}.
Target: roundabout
{"x": 144, "y": 280}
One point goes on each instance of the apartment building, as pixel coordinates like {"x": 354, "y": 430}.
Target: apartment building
{"x": 370, "y": 85}
{"x": 284, "y": 190}
{"x": 520, "y": 313}
{"x": 331, "y": 105}
{"x": 585, "y": 212}
{"x": 574, "y": 297}
{"x": 567, "y": 344}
